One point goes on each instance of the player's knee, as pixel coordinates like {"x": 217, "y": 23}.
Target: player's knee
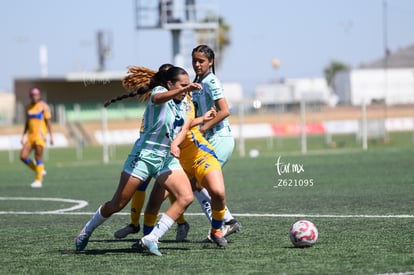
{"x": 185, "y": 199}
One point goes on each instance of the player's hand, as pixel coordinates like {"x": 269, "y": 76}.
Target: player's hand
{"x": 192, "y": 87}
{"x": 209, "y": 115}
{"x": 22, "y": 140}
{"x": 175, "y": 150}
{"x": 51, "y": 141}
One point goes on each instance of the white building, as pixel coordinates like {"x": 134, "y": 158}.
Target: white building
{"x": 292, "y": 90}
{"x": 389, "y": 80}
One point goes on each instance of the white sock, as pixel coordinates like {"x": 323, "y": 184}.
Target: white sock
{"x": 163, "y": 225}
{"x": 205, "y": 202}
{"x": 94, "y": 222}
{"x": 227, "y": 215}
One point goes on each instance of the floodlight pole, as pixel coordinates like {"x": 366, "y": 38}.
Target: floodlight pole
{"x": 176, "y": 49}
{"x": 386, "y": 53}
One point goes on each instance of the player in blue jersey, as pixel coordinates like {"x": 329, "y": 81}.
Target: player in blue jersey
{"x": 150, "y": 156}
{"x": 217, "y": 131}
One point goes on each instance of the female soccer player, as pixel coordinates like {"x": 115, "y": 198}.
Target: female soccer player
{"x": 138, "y": 198}
{"x": 217, "y": 131}
{"x": 199, "y": 161}
{"x": 36, "y": 127}
{"x": 150, "y": 156}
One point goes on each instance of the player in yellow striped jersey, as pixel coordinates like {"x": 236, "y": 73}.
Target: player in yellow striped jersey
{"x": 34, "y": 135}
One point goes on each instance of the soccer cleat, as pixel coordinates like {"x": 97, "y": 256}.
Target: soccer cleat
{"x": 207, "y": 239}
{"x": 128, "y": 229}
{"x": 82, "y": 240}
{"x": 151, "y": 245}
{"x": 36, "y": 184}
{"x": 217, "y": 237}
{"x": 182, "y": 231}
{"x": 230, "y": 227}
{"x": 137, "y": 246}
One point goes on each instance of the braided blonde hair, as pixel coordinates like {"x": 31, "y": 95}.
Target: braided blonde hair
{"x": 138, "y": 82}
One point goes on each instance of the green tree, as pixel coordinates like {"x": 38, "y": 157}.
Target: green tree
{"x": 332, "y": 69}
{"x": 219, "y": 39}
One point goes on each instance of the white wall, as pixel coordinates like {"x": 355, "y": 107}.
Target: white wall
{"x": 293, "y": 89}
{"x": 7, "y": 103}
{"x": 396, "y": 86}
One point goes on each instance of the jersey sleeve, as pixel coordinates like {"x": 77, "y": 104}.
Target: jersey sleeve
{"x": 158, "y": 90}
{"x": 215, "y": 88}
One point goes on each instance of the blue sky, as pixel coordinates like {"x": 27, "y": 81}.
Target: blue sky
{"x": 305, "y": 35}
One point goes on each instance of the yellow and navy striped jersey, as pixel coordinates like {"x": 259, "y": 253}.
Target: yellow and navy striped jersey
{"x": 36, "y": 115}
{"x": 194, "y": 146}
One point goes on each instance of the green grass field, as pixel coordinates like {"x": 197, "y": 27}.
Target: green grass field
{"x": 361, "y": 202}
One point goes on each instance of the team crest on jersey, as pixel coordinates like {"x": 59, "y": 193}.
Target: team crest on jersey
{"x": 179, "y": 121}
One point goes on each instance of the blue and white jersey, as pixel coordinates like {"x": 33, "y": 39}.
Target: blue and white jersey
{"x": 203, "y": 100}
{"x": 162, "y": 122}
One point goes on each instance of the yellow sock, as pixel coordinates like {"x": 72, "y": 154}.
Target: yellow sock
{"x": 217, "y": 218}
{"x": 136, "y": 206}
{"x": 39, "y": 171}
{"x": 181, "y": 219}
{"x": 149, "y": 222}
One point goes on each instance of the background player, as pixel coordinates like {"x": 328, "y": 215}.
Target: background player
{"x": 36, "y": 127}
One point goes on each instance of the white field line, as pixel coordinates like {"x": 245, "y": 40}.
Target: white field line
{"x": 79, "y": 204}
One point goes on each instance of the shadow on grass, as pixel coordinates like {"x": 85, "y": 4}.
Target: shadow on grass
{"x": 114, "y": 240}
{"x": 117, "y": 250}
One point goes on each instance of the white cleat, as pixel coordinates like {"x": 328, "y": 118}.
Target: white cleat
{"x": 151, "y": 245}
{"x": 36, "y": 184}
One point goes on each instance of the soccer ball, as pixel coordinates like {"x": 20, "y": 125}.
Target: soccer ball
{"x": 303, "y": 234}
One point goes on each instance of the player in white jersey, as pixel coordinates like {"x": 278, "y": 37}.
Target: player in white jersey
{"x": 137, "y": 201}
{"x": 217, "y": 131}
{"x": 150, "y": 155}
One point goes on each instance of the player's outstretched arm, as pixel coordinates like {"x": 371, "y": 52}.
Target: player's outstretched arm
{"x": 168, "y": 95}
